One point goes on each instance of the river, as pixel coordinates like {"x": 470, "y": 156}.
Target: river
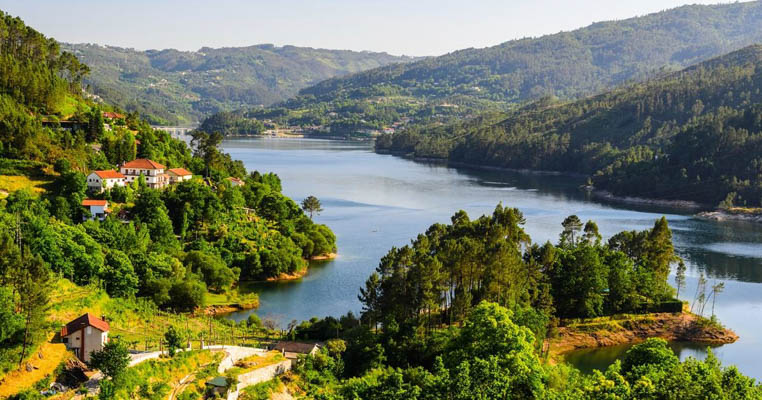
{"x": 373, "y": 202}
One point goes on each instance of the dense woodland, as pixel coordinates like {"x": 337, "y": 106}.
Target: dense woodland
{"x": 691, "y": 135}
{"x": 171, "y": 86}
{"x": 463, "y": 312}
{"x": 172, "y": 246}
{"x": 565, "y": 65}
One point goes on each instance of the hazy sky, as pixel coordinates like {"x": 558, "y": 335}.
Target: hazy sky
{"x": 411, "y": 27}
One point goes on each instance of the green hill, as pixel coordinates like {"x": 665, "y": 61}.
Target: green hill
{"x": 175, "y": 86}
{"x": 565, "y": 65}
{"x": 691, "y": 135}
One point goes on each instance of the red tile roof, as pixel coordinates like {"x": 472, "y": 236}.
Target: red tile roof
{"x": 109, "y": 174}
{"x": 234, "y": 179}
{"x": 143, "y": 163}
{"x": 82, "y": 322}
{"x": 112, "y": 115}
{"x": 91, "y": 202}
{"x": 180, "y": 171}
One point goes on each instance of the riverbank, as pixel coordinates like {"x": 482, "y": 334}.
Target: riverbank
{"x": 631, "y": 329}
{"x": 642, "y": 201}
{"x": 734, "y": 214}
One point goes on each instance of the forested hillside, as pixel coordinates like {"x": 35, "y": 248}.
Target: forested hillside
{"x": 692, "y": 135}
{"x": 565, "y": 65}
{"x": 172, "y": 86}
{"x": 174, "y": 246}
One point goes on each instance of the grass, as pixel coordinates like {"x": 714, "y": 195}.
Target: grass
{"x": 155, "y": 379}
{"x": 12, "y": 183}
{"x": 53, "y": 354}
{"x": 139, "y": 322}
{"x": 255, "y": 362}
{"x": 262, "y": 391}
{"x": 745, "y": 210}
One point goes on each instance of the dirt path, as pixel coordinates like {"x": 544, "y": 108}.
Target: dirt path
{"x": 182, "y": 384}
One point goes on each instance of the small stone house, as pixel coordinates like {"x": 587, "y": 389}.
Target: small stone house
{"x": 85, "y": 335}
{"x": 292, "y": 350}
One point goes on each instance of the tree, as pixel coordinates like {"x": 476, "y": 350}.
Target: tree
{"x": 112, "y": 360}
{"x": 717, "y": 288}
{"x": 33, "y": 292}
{"x": 680, "y": 277}
{"x": 572, "y": 225}
{"x": 312, "y": 205}
{"x": 118, "y": 275}
{"x": 370, "y": 297}
{"x": 174, "y": 340}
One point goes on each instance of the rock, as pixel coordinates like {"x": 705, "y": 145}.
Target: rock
{"x": 73, "y": 373}
{"x": 30, "y": 367}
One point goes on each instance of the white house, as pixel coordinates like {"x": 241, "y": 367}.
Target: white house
{"x": 85, "y": 335}
{"x": 153, "y": 172}
{"x": 97, "y": 181}
{"x": 98, "y": 209}
{"x": 179, "y": 175}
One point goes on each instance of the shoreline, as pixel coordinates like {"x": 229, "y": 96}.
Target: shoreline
{"x": 722, "y": 215}
{"x": 217, "y": 309}
{"x": 643, "y": 201}
{"x": 635, "y": 329}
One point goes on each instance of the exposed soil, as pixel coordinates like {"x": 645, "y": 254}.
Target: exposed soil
{"x": 289, "y": 277}
{"x": 673, "y": 327}
{"x": 328, "y": 256}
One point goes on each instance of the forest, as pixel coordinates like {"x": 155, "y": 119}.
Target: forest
{"x": 171, "y": 87}
{"x": 566, "y": 65}
{"x": 173, "y": 246}
{"x": 691, "y": 135}
{"x": 464, "y": 312}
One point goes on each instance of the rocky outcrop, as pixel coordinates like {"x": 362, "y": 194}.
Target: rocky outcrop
{"x": 673, "y": 327}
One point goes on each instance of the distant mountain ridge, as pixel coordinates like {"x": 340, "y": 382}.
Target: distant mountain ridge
{"x": 567, "y": 65}
{"x": 173, "y": 86}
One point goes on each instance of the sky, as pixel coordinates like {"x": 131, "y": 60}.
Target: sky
{"x": 400, "y": 27}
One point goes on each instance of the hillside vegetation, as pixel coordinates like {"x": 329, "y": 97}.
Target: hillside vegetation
{"x": 566, "y": 65}
{"x": 691, "y": 135}
{"x": 172, "y": 86}
{"x": 173, "y": 249}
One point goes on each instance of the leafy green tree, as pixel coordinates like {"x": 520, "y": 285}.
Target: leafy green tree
{"x": 174, "y": 340}
{"x": 112, "y": 360}
{"x": 118, "y": 275}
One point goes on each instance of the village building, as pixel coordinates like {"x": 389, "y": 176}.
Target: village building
{"x": 99, "y": 181}
{"x": 217, "y": 387}
{"x": 235, "y": 181}
{"x": 112, "y": 115}
{"x": 292, "y": 350}
{"x": 179, "y": 175}
{"x": 98, "y": 209}
{"x": 153, "y": 172}
{"x": 85, "y": 335}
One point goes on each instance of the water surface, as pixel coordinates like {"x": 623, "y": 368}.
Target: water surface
{"x": 373, "y": 202}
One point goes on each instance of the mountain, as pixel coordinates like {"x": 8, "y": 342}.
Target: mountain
{"x": 566, "y": 65}
{"x": 174, "y": 86}
{"x": 692, "y": 135}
